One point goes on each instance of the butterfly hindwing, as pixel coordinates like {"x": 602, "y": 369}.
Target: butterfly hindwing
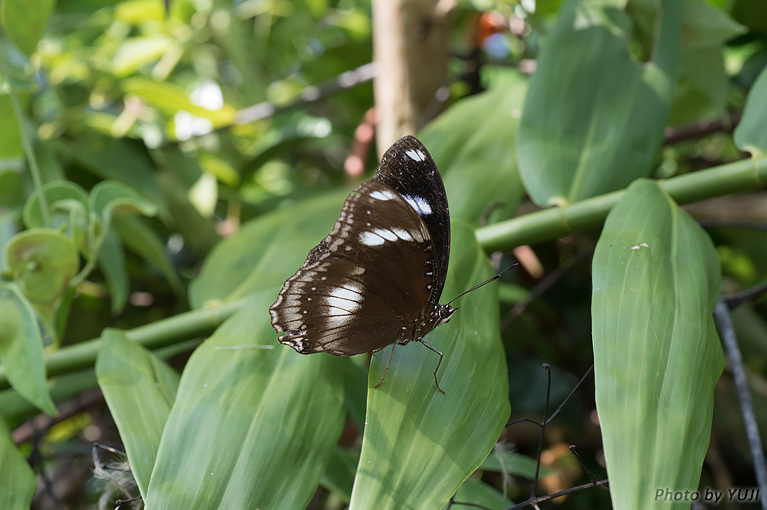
{"x": 355, "y": 292}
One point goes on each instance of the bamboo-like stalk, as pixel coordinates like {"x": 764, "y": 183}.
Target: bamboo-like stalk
{"x": 744, "y": 175}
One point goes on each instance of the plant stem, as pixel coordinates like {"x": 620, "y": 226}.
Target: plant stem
{"x": 34, "y": 169}
{"x": 555, "y": 222}
{"x": 152, "y": 336}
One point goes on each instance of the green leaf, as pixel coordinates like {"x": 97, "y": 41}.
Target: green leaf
{"x": 171, "y": 99}
{"x": 141, "y": 239}
{"x": 68, "y": 209}
{"x": 25, "y": 20}
{"x": 43, "y": 262}
{"x": 112, "y": 263}
{"x": 473, "y": 144}
{"x": 17, "y": 485}
{"x": 750, "y": 134}
{"x": 10, "y": 136}
{"x": 657, "y": 356}
{"x": 136, "y": 52}
{"x": 513, "y": 463}
{"x": 593, "y": 118}
{"x": 476, "y": 492}
{"x": 265, "y": 251}
{"x": 122, "y": 160}
{"x": 139, "y": 390}
{"x": 108, "y": 199}
{"x": 21, "y": 349}
{"x": 11, "y": 191}
{"x": 420, "y": 445}
{"x": 250, "y": 427}
{"x": 339, "y": 473}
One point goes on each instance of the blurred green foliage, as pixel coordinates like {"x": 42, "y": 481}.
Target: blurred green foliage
{"x": 125, "y": 159}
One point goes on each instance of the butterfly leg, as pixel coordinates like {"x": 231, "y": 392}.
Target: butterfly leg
{"x": 438, "y": 364}
{"x": 387, "y": 365}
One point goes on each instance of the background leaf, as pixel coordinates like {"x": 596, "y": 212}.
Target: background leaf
{"x": 750, "y": 134}
{"x": 139, "y": 390}
{"x": 17, "y": 485}
{"x": 603, "y": 130}
{"x": 21, "y": 349}
{"x": 25, "y": 20}
{"x": 473, "y": 145}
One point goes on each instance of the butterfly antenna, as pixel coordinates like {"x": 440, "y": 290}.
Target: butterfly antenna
{"x": 483, "y": 283}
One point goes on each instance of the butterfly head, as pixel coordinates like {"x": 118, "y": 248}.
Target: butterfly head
{"x": 444, "y": 313}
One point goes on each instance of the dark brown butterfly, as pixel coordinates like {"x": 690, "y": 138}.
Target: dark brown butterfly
{"x": 376, "y": 279}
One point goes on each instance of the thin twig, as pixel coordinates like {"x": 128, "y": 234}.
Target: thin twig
{"x": 567, "y": 399}
{"x": 547, "y": 368}
{"x": 347, "y": 80}
{"x": 699, "y": 129}
{"x": 541, "y": 499}
{"x": 747, "y": 296}
{"x": 752, "y": 225}
{"x": 730, "y": 342}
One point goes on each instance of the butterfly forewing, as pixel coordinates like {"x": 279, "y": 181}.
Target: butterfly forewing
{"x": 408, "y": 168}
{"x": 365, "y": 284}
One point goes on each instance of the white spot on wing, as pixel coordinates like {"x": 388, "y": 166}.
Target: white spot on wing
{"x": 418, "y": 203}
{"x": 386, "y": 234}
{"x": 382, "y": 195}
{"x": 345, "y": 298}
{"x": 402, "y": 234}
{"x": 416, "y": 155}
{"x": 371, "y": 239}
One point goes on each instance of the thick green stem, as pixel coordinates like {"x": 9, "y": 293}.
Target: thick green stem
{"x": 745, "y": 175}
{"x": 152, "y": 336}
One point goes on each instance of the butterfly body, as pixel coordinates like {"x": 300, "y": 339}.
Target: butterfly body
{"x": 377, "y": 277}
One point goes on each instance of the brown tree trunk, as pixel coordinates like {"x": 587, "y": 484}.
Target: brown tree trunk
{"x": 410, "y": 51}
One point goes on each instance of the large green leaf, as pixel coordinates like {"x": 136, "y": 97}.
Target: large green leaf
{"x": 593, "y": 117}
{"x": 139, "y": 390}
{"x": 25, "y": 21}
{"x": 420, "y": 445}
{"x": 657, "y": 356}
{"x": 17, "y": 483}
{"x": 21, "y": 349}
{"x": 250, "y": 428}
{"x": 750, "y": 135}
{"x": 473, "y": 143}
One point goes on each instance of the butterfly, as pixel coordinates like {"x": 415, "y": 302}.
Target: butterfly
{"x": 377, "y": 278}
